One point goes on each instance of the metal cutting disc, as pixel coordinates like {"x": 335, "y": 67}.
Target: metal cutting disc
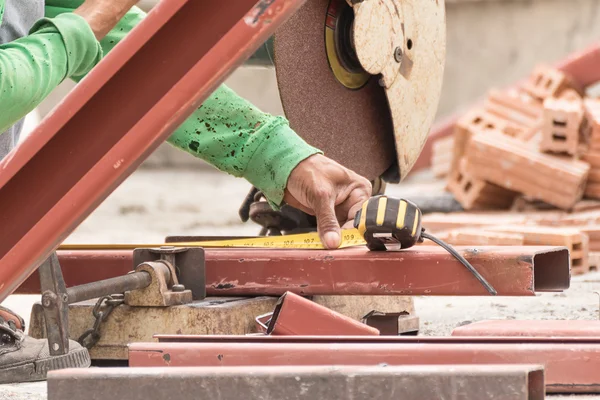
{"x": 363, "y": 83}
{"x": 351, "y": 125}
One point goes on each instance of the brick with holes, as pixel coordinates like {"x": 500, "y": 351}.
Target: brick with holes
{"x": 547, "y": 82}
{"x": 572, "y": 238}
{"x": 479, "y": 121}
{"x": 506, "y": 162}
{"x": 477, "y": 194}
{"x": 518, "y": 109}
{"x": 592, "y": 118}
{"x": 562, "y": 122}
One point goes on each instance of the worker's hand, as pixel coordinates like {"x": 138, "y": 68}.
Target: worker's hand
{"x": 334, "y": 194}
{"x": 103, "y": 15}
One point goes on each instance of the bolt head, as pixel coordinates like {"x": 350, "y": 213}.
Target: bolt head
{"x": 178, "y": 288}
{"x": 398, "y": 55}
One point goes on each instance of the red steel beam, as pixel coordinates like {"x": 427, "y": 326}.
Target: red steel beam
{"x": 544, "y": 328}
{"x": 571, "y": 365}
{"x": 295, "y": 315}
{"x": 121, "y": 112}
{"x": 513, "y": 271}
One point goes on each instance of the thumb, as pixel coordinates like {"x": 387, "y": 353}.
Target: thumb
{"x": 327, "y": 223}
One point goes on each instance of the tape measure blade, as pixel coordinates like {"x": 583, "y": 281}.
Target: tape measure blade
{"x": 308, "y": 241}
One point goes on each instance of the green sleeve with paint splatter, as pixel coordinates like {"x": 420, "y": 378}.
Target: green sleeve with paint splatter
{"x": 226, "y": 131}
{"x": 26, "y": 74}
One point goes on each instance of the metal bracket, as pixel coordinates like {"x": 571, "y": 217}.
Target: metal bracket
{"x": 55, "y": 304}
{"x": 188, "y": 262}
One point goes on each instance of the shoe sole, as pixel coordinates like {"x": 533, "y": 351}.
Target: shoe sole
{"x": 38, "y": 370}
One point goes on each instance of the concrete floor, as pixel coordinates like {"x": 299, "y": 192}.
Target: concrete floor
{"x": 153, "y": 204}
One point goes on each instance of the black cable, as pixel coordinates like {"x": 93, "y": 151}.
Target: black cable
{"x": 464, "y": 262}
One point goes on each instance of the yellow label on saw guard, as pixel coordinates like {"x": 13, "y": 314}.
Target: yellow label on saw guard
{"x": 309, "y": 241}
{"x": 351, "y": 80}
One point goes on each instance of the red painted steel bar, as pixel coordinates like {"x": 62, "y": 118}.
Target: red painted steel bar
{"x": 571, "y": 365}
{"x": 371, "y": 339}
{"x": 295, "y": 315}
{"x": 513, "y": 271}
{"x": 583, "y": 65}
{"x": 129, "y": 104}
{"x": 544, "y": 328}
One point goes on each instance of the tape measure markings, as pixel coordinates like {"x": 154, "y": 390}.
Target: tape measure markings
{"x": 309, "y": 241}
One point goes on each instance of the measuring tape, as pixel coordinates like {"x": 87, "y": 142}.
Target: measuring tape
{"x": 309, "y": 241}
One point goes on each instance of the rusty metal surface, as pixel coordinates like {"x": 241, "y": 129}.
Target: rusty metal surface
{"x": 356, "y": 307}
{"x": 43, "y": 210}
{"x": 461, "y": 382}
{"x": 393, "y": 324}
{"x": 352, "y": 127}
{"x": 371, "y": 339}
{"x": 544, "y": 328}
{"x": 121, "y": 284}
{"x": 295, "y": 315}
{"x": 513, "y": 271}
{"x": 571, "y": 365}
{"x": 55, "y": 304}
{"x": 161, "y": 292}
{"x": 211, "y": 316}
{"x": 187, "y": 263}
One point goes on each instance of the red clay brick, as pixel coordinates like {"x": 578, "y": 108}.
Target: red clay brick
{"x": 561, "y": 126}
{"x": 574, "y": 239}
{"x": 478, "y": 237}
{"x": 441, "y": 156}
{"x": 507, "y": 163}
{"x": 547, "y": 82}
{"x": 477, "y": 194}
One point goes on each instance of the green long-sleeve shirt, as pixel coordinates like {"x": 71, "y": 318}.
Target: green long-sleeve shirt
{"x": 226, "y": 131}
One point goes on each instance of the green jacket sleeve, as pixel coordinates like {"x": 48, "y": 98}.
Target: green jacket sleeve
{"x": 32, "y": 66}
{"x": 226, "y": 131}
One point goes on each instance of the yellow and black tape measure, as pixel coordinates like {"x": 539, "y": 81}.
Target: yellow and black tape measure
{"x": 307, "y": 241}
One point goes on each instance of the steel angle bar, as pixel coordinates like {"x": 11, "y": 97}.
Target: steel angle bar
{"x": 53, "y": 180}
{"x": 524, "y": 328}
{"x": 295, "y": 315}
{"x": 571, "y": 367}
{"x": 391, "y": 340}
{"x": 461, "y": 382}
{"x": 427, "y": 270}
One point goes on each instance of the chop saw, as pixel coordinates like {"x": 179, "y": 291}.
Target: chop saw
{"x": 360, "y": 80}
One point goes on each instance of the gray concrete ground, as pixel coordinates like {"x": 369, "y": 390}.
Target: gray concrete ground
{"x": 152, "y": 204}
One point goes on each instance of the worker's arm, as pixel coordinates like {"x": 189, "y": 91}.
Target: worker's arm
{"x": 236, "y": 137}
{"x": 56, "y": 48}
{"x": 32, "y": 66}
{"x": 226, "y": 131}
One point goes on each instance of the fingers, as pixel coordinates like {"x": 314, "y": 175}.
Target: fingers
{"x": 327, "y": 223}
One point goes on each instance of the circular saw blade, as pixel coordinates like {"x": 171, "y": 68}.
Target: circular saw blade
{"x": 350, "y": 125}
{"x": 404, "y": 42}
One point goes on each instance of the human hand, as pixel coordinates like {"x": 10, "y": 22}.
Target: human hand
{"x": 103, "y": 15}
{"x": 319, "y": 186}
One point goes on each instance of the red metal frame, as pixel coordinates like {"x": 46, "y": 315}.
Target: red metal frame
{"x": 513, "y": 271}
{"x": 131, "y": 102}
{"x": 582, "y": 65}
{"x": 295, "y": 315}
{"x": 571, "y": 364}
{"x": 544, "y": 328}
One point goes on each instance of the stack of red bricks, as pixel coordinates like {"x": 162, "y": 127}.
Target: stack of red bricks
{"x": 540, "y": 141}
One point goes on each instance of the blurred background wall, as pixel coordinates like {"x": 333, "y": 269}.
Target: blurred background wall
{"x": 490, "y": 43}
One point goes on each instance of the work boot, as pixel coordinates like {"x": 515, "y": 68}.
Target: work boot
{"x": 25, "y": 359}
